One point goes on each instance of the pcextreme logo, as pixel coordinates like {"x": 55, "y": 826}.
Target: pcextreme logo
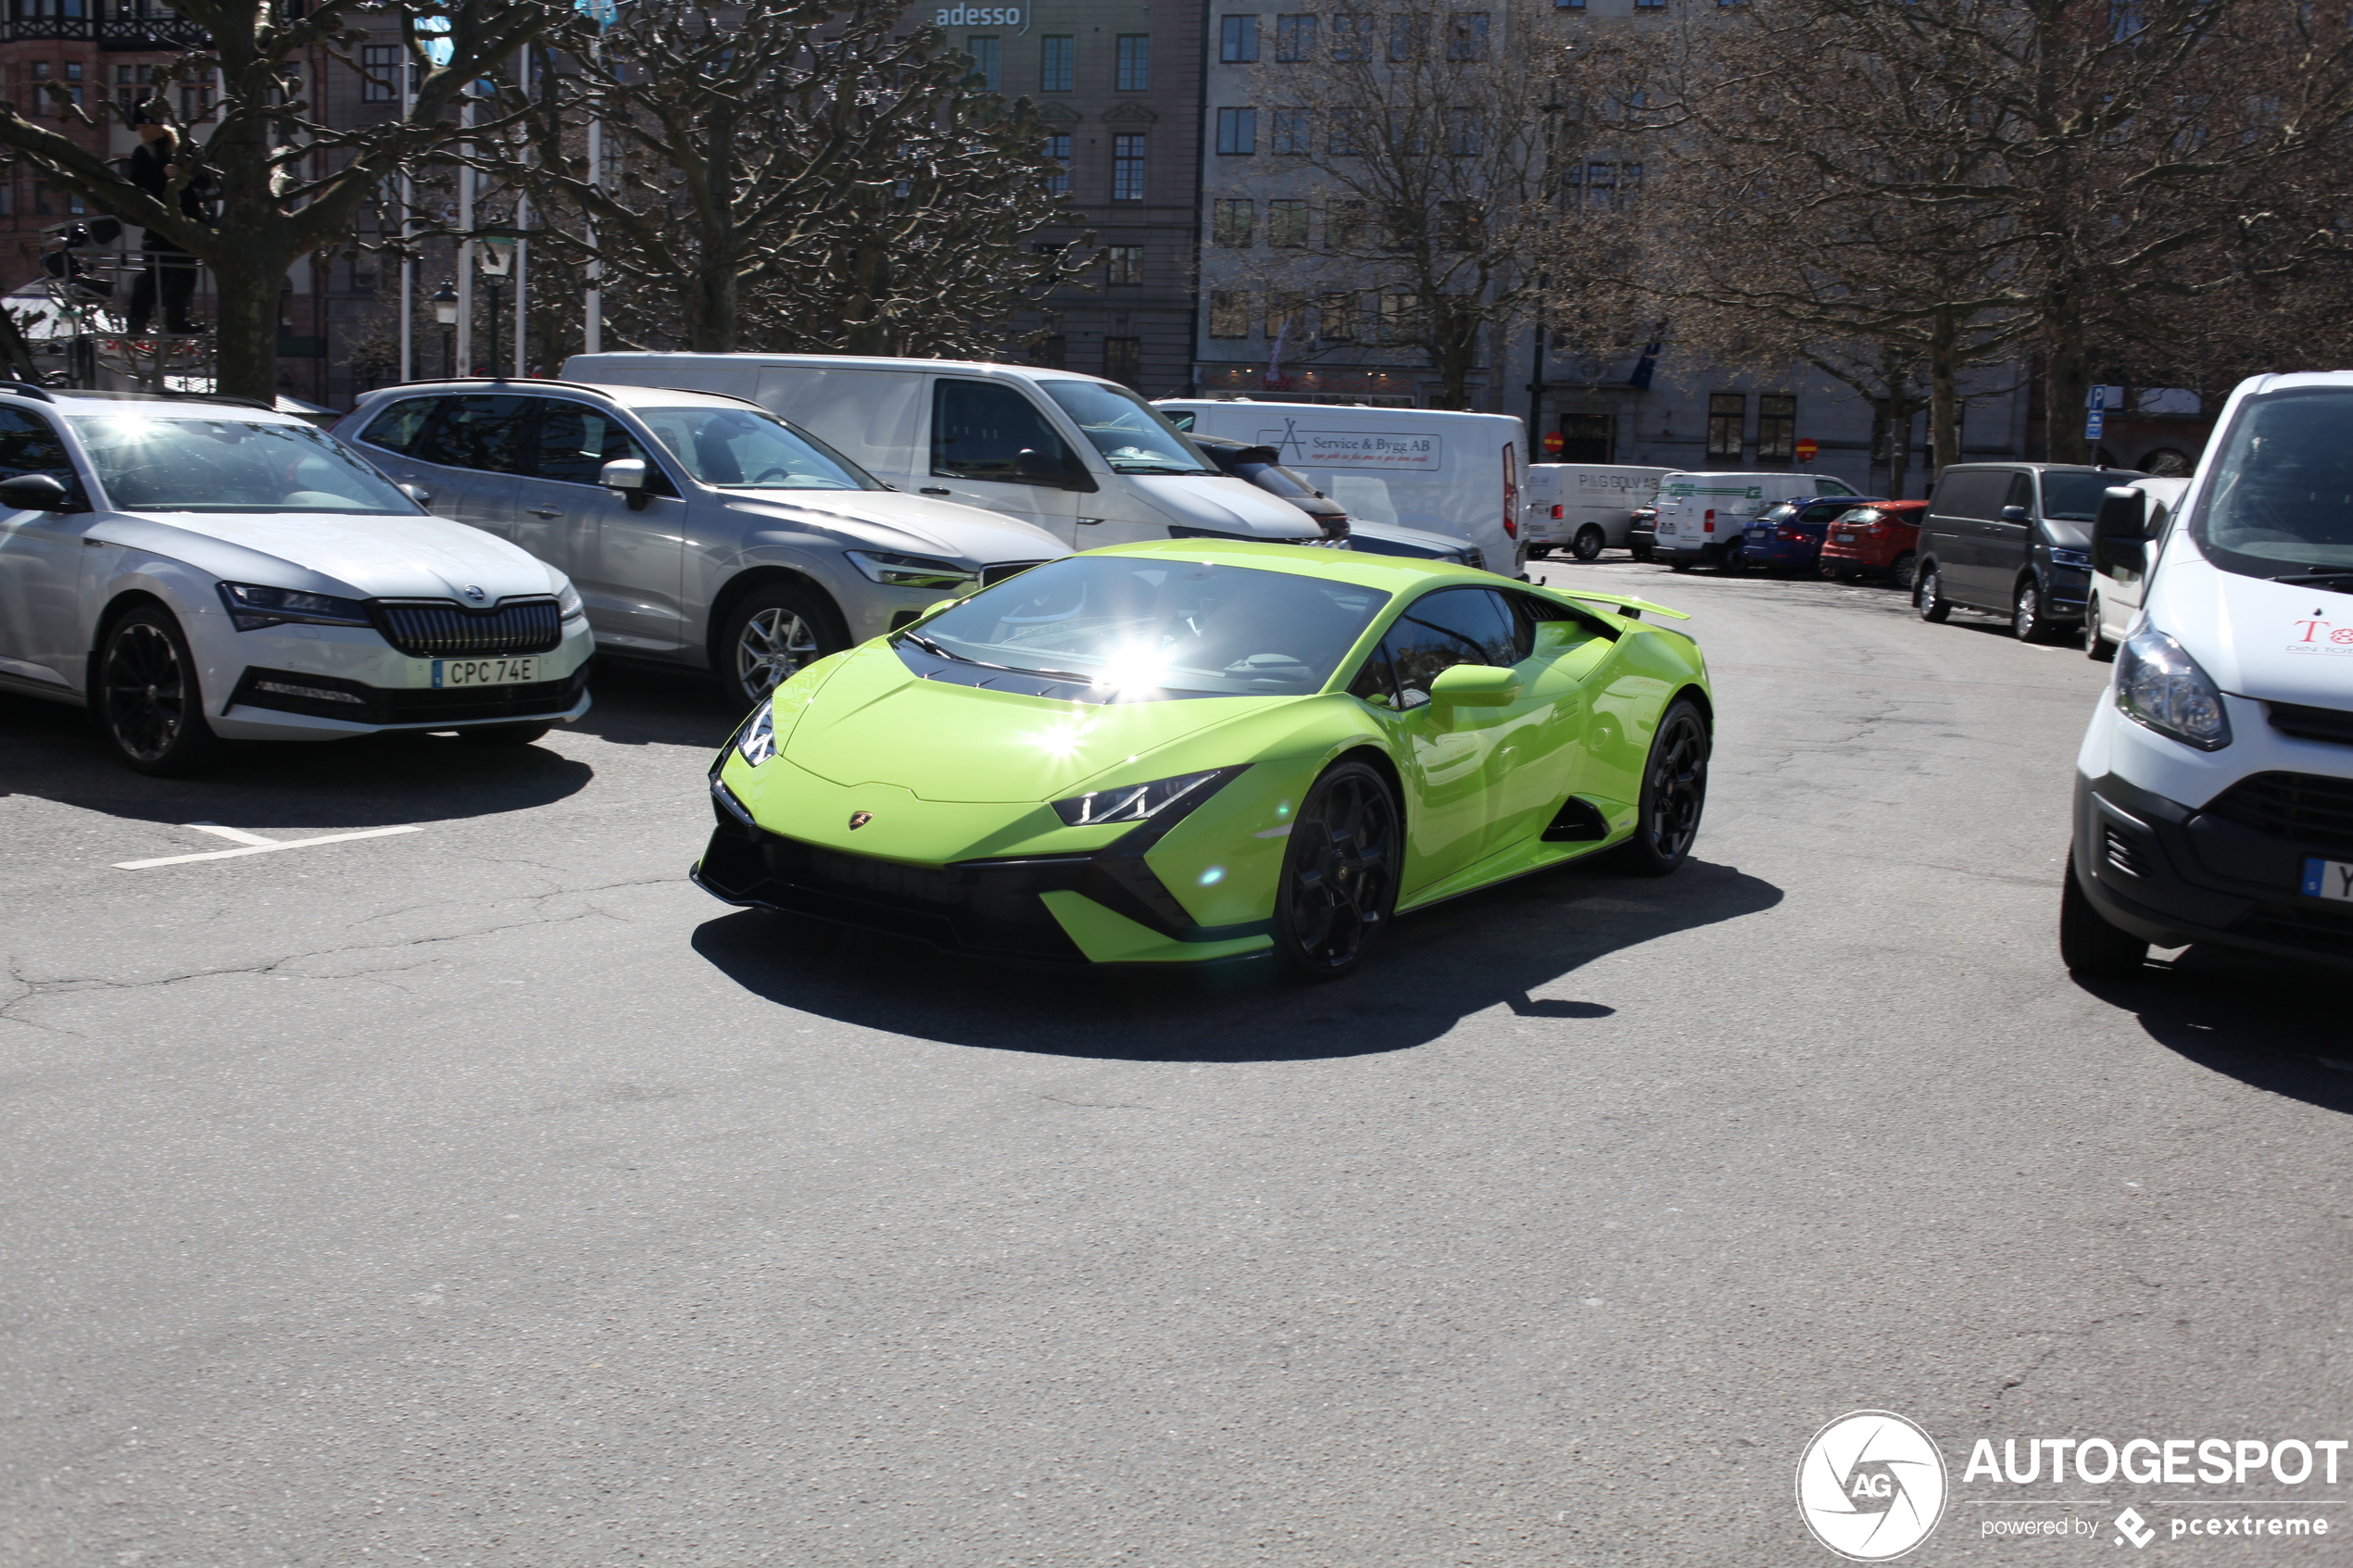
{"x": 1871, "y": 1485}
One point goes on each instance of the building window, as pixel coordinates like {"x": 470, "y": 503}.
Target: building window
{"x": 1336, "y": 317}
{"x": 1127, "y": 169}
{"x": 1287, "y": 224}
{"x": 1650, "y": 5}
{"x": 1408, "y": 36}
{"x": 195, "y": 104}
{"x": 1050, "y": 351}
{"x": 1135, "y": 62}
{"x": 1352, "y": 37}
{"x": 1602, "y": 186}
{"x": 1058, "y": 153}
{"x": 1588, "y": 438}
{"x": 1466, "y": 35}
{"x": 40, "y": 70}
{"x": 382, "y": 62}
{"x": 987, "y": 58}
{"x": 1123, "y": 360}
{"x": 1776, "y": 428}
{"x": 1286, "y": 317}
{"x": 1347, "y": 139}
{"x": 1237, "y": 133}
{"x": 1291, "y": 131}
{"x": 1294, "y": 39}
{"x": 7, "y": 198}
{"x": 1123, "y": 264}
{"x": 73, "y": 71}
{"x": 1228, "y": 313}
{"x": 1344, "y": 225}
{"x": 1237, "y": 41}
{"x": 1727, "y": 413}
{"x": 1568, "y": 5}
{"x": 41, "y": 199}
{"x": 1458, "y": 225}
{"x": 1232, "y": 218}
{"x": 1466, "y": 133}
{"x": 1057, "y": 62}
{"x": 1400, "y": 316}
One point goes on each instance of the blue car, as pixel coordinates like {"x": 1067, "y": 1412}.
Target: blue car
{"x": 1788, "y": 537}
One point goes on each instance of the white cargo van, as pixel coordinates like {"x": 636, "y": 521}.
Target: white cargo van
{"x": 2131, "y": 520}
{"x": 1460, "y": 475}
{"x": 1702, "y": 516}
{"x": 1082, "y": 458}
{"x": 2214, "y": 786}
{"x": 1582, "y": 507}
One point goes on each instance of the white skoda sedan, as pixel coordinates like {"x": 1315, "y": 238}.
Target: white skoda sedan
{"x": 202, "y": 571}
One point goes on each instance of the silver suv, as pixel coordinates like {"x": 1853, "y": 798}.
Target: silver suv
{"x": 700, "y": 529}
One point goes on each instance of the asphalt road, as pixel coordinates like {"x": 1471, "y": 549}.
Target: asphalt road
{"x": 488, "y": 1194}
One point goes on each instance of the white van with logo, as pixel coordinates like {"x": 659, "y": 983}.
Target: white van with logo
{"x": 1464, "y": 476}
{"x": 1082, "y": 458}
{"x": 1702, "y": 516}
{"x": 2131, "y": 520}
{"x": 1584, "y": 508}
{"x": 2214, "y": 787}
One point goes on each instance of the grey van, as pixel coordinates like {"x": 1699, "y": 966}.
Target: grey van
{"x": 2012, "y": 539}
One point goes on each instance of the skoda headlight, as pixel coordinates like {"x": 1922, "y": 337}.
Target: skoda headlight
{"x": 1133, "y": 803}
{"x": 251, "y": 608}
{"x": 2160, "y": 686}
{"x": 912, "y": 572}
{"x": 569, "y": 602}
{"x": 756, "y": 742}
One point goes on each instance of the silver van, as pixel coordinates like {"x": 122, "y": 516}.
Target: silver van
{"x": 700, "y": 531}
{"x": 1082, "y": 458}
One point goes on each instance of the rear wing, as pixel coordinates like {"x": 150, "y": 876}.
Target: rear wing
{"x": 1630, "y": 608}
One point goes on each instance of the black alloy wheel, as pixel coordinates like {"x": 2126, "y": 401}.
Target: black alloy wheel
{"x": 2089, "y": 945}
{"x": 1589, "y": 542}
{"x": 1900, "y": 574}
{"x": 1927, "y": 596}
{"x": 1339, "y": 890}
{"x": 1734, "y": 561}
{"x": 149, "y": 704}
{"x": 771, "y": 636}
{"x": 1674, "y": 794}
{"x": 2097, "y": 647}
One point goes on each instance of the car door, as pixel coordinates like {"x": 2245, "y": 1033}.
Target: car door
{"x": 1537, "y": 761}
{"x": 979, "y": 431}
{"x": 41, "y": 634}
{"x": 2010, "y": 541}
{"x": 473, "y": 447}
{"x": 625, "y": 554}
{"x": 1954, "y": 531}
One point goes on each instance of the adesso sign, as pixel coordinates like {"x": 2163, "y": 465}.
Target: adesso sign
{"x": 980, "y": 16}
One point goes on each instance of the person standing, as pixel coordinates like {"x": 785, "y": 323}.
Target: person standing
{"x": 170, "y": 270}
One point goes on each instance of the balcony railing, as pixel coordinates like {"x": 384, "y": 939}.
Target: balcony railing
{"x": 112, "y": 32}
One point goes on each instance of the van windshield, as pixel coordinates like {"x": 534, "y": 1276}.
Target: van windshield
{"x": 750, "y": 450}
{"x": 2280, "y": 500}
{"x": 1133, "y": 436}
{"x": 2075, "y": 497}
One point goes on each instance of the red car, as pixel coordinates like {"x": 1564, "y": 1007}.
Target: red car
{"x": 1881, "y": 539}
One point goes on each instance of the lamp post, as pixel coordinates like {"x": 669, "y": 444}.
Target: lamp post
{"x": 491, "y": 283}
{"x": 445, "y": 311}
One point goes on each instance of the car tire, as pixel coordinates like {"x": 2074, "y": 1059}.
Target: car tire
{"x": 1900, "y": 572}
{"x": 1673, "y": 795}
{"x": 2030, "y": 617}
{"x": 1589, "y": 544}
{"x": 150, "y": 706}
{"x": 2097, "y": 647}
{"x": 1337, "y": 894}
{"x": 504, "y": 734}
{"x": 2089, "y": 945}
{"x": 1680, "y": 565}
{"x": 1640, "y": 552}
{"x": 770, "y": 635}
{"x": 1927, "y": 596}
{"x": 1733, "y": 562}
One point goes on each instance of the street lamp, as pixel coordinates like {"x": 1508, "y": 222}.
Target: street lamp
{"x": 445, "y": 311}
{"x": 491, "y": 282}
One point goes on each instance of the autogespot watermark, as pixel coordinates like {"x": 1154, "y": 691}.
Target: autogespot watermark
{"x": 1873, "y": 1484}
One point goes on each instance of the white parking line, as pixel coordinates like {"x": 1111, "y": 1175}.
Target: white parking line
{"x": 253, "y": 844}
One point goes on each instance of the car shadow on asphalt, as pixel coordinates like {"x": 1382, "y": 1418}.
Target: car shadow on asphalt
{"x": 2274, "y": 1026}
{"x": 51, "y": 752}
{"x": 648, "y": 705}
{"x": 1494, "y": 949}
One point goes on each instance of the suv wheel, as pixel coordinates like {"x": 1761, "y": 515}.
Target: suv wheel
{"x": 2028, "y": 622}
{"x": 771, "y": 636}
{"x": 149, "y": 703}
{"x": 1927, "y": 595}
{"x": 1588, "y": 544}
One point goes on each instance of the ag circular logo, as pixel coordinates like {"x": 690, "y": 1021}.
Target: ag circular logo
{"x": 1871, "y": 1485}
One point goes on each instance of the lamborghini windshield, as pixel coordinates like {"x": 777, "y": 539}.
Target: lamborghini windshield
{"x": 1147, "y": 623}
{"x": 2279, "y": 501}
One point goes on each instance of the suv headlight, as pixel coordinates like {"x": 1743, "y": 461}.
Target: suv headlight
{"x": 756, "y": 742}
{"x": 911, "y": 572}
{"x": 1135, "y": 803}
{"x": 251, "y": 608}
{"x": 569, "y": 602}
{"x": 2159, "y": 687}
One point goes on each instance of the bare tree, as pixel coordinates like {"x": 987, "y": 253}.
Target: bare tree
{"x": 288, "y": 185}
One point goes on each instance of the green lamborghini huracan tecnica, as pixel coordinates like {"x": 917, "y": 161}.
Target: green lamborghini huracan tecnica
{"x": 1197, "y": 749}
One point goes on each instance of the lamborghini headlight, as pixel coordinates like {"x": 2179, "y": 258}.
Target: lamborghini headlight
{"x": 1132, "y": 803}
{"x": 756, "y": 742}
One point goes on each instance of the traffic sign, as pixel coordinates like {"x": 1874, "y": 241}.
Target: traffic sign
{"x": 1553, "y": 442}
{"x": 1807, "y": 449}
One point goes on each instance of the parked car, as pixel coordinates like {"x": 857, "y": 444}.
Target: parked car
{"x": 2214, "y": 786}
{"x": 2131, "y": 521}
{"x": 199, "y": 571}
{"x": 1258, "y": 466}
{"x": 1642, "y": 532}
{"x": 1584, "y": 508}
{"x": 1881, "y": 539}
{"x": 2013, "y": 539}
{"x": 702, "y": 531}
{"x": 1788, "y": 537}
{"x": 1702, "y": 517}
{"x": 1204, "y": 749}
{"x": 1437, "y": 470}
{"x": 1082, "y": 458}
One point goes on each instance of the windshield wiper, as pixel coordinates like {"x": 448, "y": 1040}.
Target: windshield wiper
{"x": 937, "y": 651}
{"x": 1148, "y": 469}
{"x": 2317, "y": 577}
{"x": 934, "y": 649}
